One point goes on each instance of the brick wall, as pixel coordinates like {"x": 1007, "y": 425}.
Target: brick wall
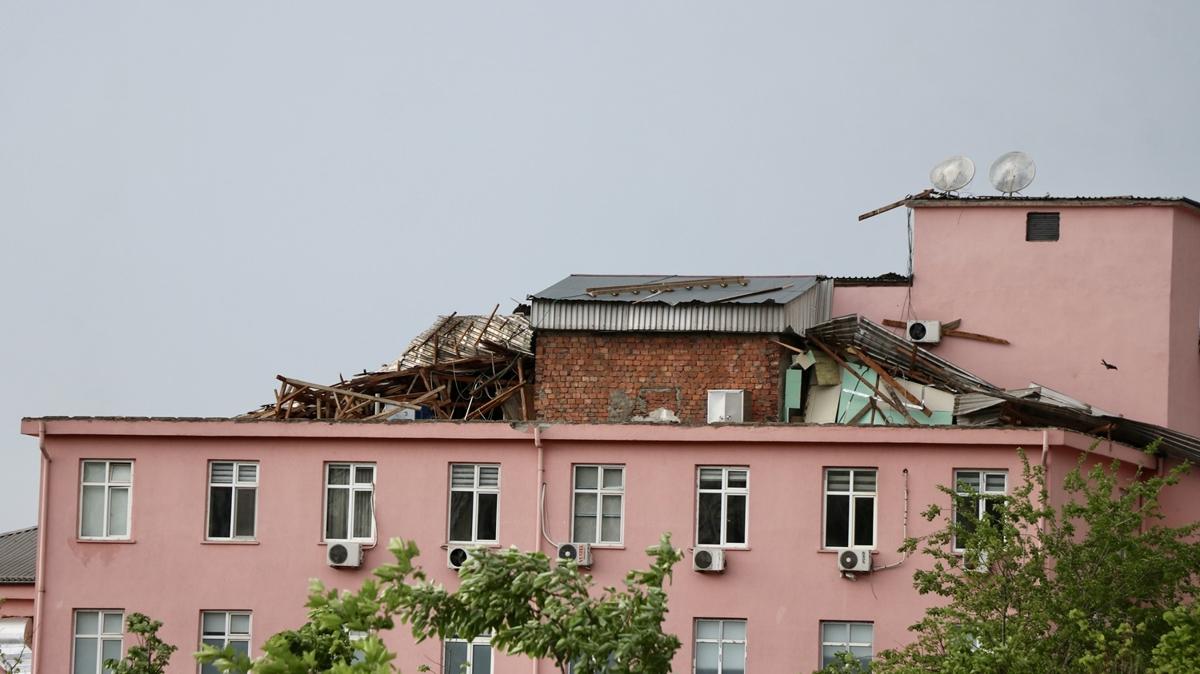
{"x": 597, "y": 377}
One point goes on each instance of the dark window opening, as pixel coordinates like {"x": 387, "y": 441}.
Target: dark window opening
{"x": 1041, "y": 226}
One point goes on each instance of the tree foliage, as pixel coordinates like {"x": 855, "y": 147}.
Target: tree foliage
{"x": 150, "y": 655}
{"x": 529, "y": 604}
{"x": 1083, "y": 586}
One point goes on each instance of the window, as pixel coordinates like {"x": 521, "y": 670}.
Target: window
{"x": 467, "y": 657}
{"x": 846, "y": 637}
{"x": 349, "y": 502}
{"x": 225, "y": 628}
{"x": 849, "y": 507}
{"x": 598, "y": 504}
{"x": 1041, "y": 226}
{"x": 721, "y": 512}
{"x": 577, "y": 667}
{"x": 104, "y": 500}
{"x": 232, "y": 494}
{"x": 726, "y": 406}
{"x": 980, "y": 494}
{"x": 97, "y": 638}
{"x": 720, "y": 647}
{"x": 474, "y": 502}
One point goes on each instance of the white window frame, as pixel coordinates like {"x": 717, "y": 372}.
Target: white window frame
{"x": 481, "y": 640}
{"x": 353, "y": 488}
{"x": 725, "y": 491}
{"x": 982, "y": 494}
{"x": 109, "y": 485}
{"x": 228, "y": 636}
{"x": 719, "y": 400}
{"x": 100, "y": 636}
{"x": 847, "y": 644}
{"x": 854, "y": 495}
{"x": 601, "y": 493}
{"x": 720, "y": 641}
{"x": 237, "y": 485}
{"x": 475, "y": 490}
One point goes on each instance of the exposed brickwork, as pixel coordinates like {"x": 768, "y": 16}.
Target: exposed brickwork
{"x": 597, "y": 377}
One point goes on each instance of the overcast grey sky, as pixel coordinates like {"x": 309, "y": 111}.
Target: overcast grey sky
{"x": 197, "y": 196}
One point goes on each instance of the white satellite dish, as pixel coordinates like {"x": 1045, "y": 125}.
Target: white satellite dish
{"x": 952, "y": 174}
{"x": 1012, "y": 172}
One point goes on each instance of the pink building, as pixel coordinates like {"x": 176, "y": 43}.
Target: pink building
{"x": 215, "y": 525}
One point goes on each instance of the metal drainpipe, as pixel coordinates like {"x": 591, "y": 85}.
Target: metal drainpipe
{"x": 40, "y": 578}
{"x": 537, "y": 501}
{"x": 1045, "y": 471}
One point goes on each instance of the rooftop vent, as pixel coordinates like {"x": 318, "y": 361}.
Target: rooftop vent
{"x": 1041, "y": 226}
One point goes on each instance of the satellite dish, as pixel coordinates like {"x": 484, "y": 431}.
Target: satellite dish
{"x": 1012, "y": 172}
{"x": 952, "y": 174}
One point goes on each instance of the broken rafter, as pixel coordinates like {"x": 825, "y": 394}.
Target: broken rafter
{"x": 846, "y": 366}
{"x": 883, "y": 374}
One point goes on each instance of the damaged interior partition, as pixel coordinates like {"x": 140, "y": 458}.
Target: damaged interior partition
{"x": 462, "y": 367}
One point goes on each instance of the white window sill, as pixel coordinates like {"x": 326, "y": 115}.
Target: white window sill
{"x": 106, "y": 540}
{"x": 834, "y": 551}
{"x": 494, "y": 545}
{"x": 361, "y": 541}
{"x": 232, "y": 541}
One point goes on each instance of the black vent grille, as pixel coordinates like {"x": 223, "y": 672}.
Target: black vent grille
{"x": 1041, "y": 226}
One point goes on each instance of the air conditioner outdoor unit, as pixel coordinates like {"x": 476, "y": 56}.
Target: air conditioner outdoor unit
{"x": 581, "y": 553}
{"x": 726, "y": 406}
{"x": 924, "y": 332}
{"x": 456, "y": 556}
{"x": 343, "y": 553}
{"x": 854, "y": 560}
{"x": 708, "y": 560}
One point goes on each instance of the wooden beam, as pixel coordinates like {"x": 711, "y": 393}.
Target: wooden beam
{"x": 894, "y": 204}
{"x": 975, "y": 336}
{"x": 343, "y": 392}
{"x": 837, "y": 359}
{"x": 875, "y": 367}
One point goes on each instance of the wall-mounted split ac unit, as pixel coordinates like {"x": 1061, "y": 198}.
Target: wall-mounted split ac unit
{"x": 854, "y": 560}
{"x": 708, "y": 560}
{"x": 456, "y": 556}
{"x": 727, "y": 406}
{"x": 924, "y": 332}
{"x": 580, "y": 553}
{"x": 343, "y": 553}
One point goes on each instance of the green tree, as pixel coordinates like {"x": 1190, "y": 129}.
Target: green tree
{"x": 1079, "y": 587}
{"x": 1178, "y": 650}
{"x": 150, "y": 655}
{"x": 529, "y": 604}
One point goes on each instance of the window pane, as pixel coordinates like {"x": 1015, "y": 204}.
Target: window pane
{"x": 828, "y": 653}
{"x": 735, "y": 519}
{"x": 614, "y": 478}
{"x": 863, "y": 653}
{"x": 864, "y": 521}
{"x": 336, "y": 513}
{"x": 110, "y": 648}
{"x": 585, "y": 518}
{"x": 339, "y": 474}
{"x": 221, "y": 473}
{"x": 835, "y": 633}
{"x": 487, "y": 516}
{"x": 837, "y": 480}
{"x": 733, "y": 658}
{"x": 735, "y": 630}
{"x": 364, "y": 475}
{"x": 706, "y": 658}
{"x": 737, "y": 479}
{"x": 455, "y": 658}
{"x": 481, "y": 659}
{"x": 92, "y": 523}
{"x": 461, "y": 515}
{"x": 966, "y": 480}
{"x": 118, "y": 511}
{"x": 462, "y": 475}
{"x": 245, "y": 511}
{"x": 489, "y": 476}
{"x": 248, "y": 473}
{"x": 585, "y": 477}
{"x": 239, "y": 623}
{"x": 362, "y": 514}
{"x": 708, "y": 629}
{"x": 610, "y": 523}
{"x": 585, "y": 504}
{"x": 112, "y": 623}
{"x": 861, "y": 633}
{"x": 710, "y": 478}
{"x": 240, "y": 646}
{"x": 995, "y": 483}
{"x": 708, "y": 523}
{"x": 213, "y": 623}
{"x": 837, "y": 521}
{"x": 85, "y": 656}
{"x": 120, "y": 472}
{"x": 220, "y": 510}
{"x": 93, "y": 471}
{"x": 864, "y": 480}
{"x": 87, "y": 623}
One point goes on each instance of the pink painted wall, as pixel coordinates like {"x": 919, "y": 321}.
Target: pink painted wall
{"x": 1102, "y": 291}
{"x": 783, "y": 585}
{"x": 18, "y": 600}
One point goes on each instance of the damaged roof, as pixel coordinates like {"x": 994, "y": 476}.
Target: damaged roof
{"x": 18, "y": 556}
{"x": 675, "y": 290}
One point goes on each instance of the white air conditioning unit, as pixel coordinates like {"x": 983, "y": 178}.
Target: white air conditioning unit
{"x": 708, "y": 560}
{"x": 580, "y": 553}
{"x": 854, "y": 560}
{"x": 456, "y": 556}
{"x": 924, "y": 332}
{"x": 726, "y": 406}
{"x": 343, "y": 553}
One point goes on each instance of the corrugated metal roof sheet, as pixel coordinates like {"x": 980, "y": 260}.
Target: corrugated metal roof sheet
{"x": 755, "y": 290}
{"x": 18, "y": 556}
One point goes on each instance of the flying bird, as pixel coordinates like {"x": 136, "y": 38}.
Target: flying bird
{"x": 1107, "y": 364}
